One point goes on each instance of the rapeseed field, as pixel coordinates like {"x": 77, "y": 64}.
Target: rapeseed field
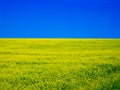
{"x": 59, "y": 64}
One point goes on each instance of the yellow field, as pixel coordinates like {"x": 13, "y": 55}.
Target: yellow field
{"x": 59, "y": 64}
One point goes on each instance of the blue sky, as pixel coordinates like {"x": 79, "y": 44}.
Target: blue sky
{"x": 59, "y": 18}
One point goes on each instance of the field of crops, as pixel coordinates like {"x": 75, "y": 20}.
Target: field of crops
{"x": 59, "y": 64}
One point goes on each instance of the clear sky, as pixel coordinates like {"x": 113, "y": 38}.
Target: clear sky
{"x": 60, "y": 18}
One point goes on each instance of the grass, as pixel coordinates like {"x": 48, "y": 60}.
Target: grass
{"x": 59, "y": 64}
